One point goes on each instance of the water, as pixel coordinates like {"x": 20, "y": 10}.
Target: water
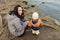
{"x": 51, "y": 7}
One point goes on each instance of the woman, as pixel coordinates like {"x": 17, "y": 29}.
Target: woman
{"x": 16, "y": 21}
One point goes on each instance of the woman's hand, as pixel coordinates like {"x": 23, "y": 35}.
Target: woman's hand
{"x": 27, "y": 21}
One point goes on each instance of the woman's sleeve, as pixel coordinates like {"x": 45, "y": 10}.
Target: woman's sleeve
{"x": 30, "y": 24}
{"x": 41, "y": 23}
{"x": 16, "y": 28}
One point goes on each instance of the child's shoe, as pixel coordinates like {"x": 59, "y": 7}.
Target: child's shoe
{"x": 37, "y": 32}
{"x": 33, "y": 31}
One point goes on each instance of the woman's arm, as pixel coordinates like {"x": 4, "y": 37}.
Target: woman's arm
{"x": 16, "y": 28}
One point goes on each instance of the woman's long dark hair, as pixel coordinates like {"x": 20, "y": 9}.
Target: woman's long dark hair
{"x": 15, "y": 12}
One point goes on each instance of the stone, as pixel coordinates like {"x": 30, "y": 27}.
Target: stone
{"x": 48, "y": 19}
{"x": 43, "y": 2}
{"x": 25, "y": 2}
{"x": 57, "y": 22}
{"x": 33, "y": 5}
{"x": 0, "y": 21}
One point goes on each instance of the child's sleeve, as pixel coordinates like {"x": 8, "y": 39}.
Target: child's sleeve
{"x": 41, "y": 23}
{"x": 30, "y": 24}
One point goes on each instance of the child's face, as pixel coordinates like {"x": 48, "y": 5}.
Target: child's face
{"x": 34, "y": 21}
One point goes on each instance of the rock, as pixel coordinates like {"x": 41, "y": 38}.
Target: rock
{"x": 2, "y": 9}
{"x": 52, "y": 26}
{"x": 26, "y": 7}
{"x": 43, "y": 2}
{"x": 3, "y": 12}
{"x": 0, "y": 21}
{"x": 47, "y": 25}
{"x": 48, "y": 19}
{"x": 25, "y": 2}
{"x": 50, "y": 22}
{"x": 33, "y": 5}
{"x": 57, "y": 22}
{"x": 5, "y": 35}
{"x": 1, "y": 31}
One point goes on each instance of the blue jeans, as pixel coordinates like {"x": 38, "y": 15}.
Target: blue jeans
{"x": 36, "y": 28}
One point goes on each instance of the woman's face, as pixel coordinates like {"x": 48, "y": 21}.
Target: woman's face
{"x": 19, "y": 10}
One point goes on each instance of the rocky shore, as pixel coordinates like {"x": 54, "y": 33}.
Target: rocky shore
{"x": 49, "y": 31}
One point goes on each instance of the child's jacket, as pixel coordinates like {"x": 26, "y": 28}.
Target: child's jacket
{"x": 39, "y": 23}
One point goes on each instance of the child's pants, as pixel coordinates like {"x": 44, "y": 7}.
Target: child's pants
{"x": 35, "y": 30}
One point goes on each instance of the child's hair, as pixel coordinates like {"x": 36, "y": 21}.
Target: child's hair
{"x": 35, "y": 15}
